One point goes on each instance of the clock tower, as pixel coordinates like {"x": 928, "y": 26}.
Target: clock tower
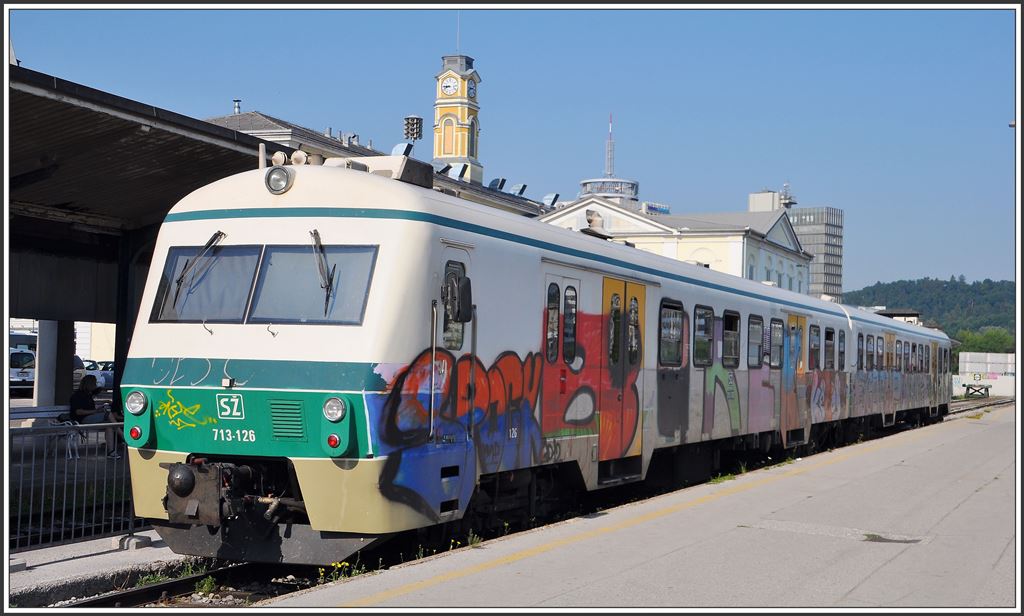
{"x": 456, "y": 126}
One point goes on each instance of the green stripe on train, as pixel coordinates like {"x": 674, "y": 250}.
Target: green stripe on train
{"x": 252, "y": 373}
{"x": 247, "y": 422}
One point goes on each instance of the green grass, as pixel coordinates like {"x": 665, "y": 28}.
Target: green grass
{"x": 207, "y": 584}
{"x": 722, "y": 478}
{"x": 151, "y": 578}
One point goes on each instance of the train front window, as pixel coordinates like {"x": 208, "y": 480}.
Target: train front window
{"x": 214, "y": 288}
{"x": 290, "y": 286}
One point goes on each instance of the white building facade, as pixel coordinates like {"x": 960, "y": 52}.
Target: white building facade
{"x": 760, "y": 246}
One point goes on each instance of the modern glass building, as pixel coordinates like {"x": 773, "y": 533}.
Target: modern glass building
{"x": 820, "y": 230}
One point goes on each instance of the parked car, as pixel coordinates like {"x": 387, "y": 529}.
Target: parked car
{"x": 79, "y": 372}
{"x": 22, "y": 371}
{"x": 102, "y": 370}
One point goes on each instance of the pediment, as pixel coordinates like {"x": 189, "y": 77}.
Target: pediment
{"x": 615, "y": 220}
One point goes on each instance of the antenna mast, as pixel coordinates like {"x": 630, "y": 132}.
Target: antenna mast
{"x": 609, "y": 152}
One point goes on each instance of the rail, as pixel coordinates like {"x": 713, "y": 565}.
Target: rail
{"x": 64, "y": 488}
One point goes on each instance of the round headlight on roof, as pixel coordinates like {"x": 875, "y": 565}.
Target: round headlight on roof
{"x": 278, "y": 179}
{"x": 334, "y": 409}
{"x": 135, "y": 402}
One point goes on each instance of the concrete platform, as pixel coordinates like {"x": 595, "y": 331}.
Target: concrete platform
{"x": 84, "y": 568}
{"x": 926, "y": 518}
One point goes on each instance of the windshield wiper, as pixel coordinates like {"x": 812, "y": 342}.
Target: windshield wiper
{"x": 191, "y": 265}
{"x": 326, "y": 279}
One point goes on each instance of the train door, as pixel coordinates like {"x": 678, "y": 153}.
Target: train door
{"x": 933, "y": 379}
{"x": 889, "y": 397}
{"x": 792, "y": 424}
{"x": 621, "y": 374}
{"x": 568, "y": 404}
{"x": 451, "y": 413}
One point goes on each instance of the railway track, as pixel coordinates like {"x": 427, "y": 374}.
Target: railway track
{"x": 243, "y": 582}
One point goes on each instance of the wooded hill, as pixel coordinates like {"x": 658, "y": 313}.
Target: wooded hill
{"x": 965, "y": 311}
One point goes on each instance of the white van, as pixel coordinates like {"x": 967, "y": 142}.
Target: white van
{"x": 22, "y": 371}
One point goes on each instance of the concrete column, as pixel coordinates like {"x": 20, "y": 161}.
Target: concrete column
{"x": 46, "y": 364}
{"x": 63, "y": 384}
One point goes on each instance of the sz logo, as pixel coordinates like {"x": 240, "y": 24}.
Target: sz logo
{"x": 229, "y": 406}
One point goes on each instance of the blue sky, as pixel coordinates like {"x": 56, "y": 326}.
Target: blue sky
{"x": 899, "y": 117}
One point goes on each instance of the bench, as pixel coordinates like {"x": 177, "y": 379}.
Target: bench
{"x": 976, "y": 390}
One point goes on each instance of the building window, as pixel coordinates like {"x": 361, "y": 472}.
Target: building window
{"x": 703, "y": 323}
{"x": 448, "y": 138}
{"x": 472, "y": 138}
{"x": 755, "y": 341}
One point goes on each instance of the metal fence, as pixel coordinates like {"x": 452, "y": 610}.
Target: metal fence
{"x": 63, "y": 487}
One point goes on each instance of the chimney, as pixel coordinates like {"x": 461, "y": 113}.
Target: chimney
{"x": 238, "y": 105}
{"x": 327, "y": 133}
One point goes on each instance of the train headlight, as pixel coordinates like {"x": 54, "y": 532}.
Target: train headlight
{"x": 334, "y": 409}
{"x": 278, "y": 179}
{"x": 135, "y": 402}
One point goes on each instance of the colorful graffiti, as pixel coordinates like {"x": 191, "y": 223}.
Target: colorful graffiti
{"x": 181, "y": 416}
{"x": 484, "y": 422}
{"x": 718, "y": 377}
{"x": 764, "y": 390}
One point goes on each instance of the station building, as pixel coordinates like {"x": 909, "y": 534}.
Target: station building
{"x": 757, "y": 245}
{"x": 820, "y": 230}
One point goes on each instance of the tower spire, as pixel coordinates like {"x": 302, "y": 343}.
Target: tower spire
{"x": 609, "y": 152}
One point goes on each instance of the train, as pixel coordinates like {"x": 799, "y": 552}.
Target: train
{"x": 332, "y": 352}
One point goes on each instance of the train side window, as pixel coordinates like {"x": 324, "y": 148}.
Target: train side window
{"x": 730, "y": 339}
{"x": 703, "y": 324}
{"x": 814, "y": 348}
{"x": 927, "y": 358}
{"x": 569, "y": 326}
{"x": 860, "y": 351}
{"x": 551, "y": 335}
{"x": 906, "y": 357}
{"x": 615, "y": 334}
{"x": 755, "y": 341}
{"x": 830, "y": 349}
{"x": 869, "y": 363}
{"x": 670, "y": 340}
{"x": 776, "y": 343}
{"x": 913, "y": 357}
{"x": 899, "y": 356}
{"x": 880, "y": 354}
{"x": 453, "y": 330}
{"x": 633, "y": 332}
{"x": 842, "y": 350}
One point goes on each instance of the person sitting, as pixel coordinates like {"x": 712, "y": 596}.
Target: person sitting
{"x": 83, "y": 410}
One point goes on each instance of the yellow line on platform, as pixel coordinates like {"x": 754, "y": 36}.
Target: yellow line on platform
{"x": 385, "y": 595}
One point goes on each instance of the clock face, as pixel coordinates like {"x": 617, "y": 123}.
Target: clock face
{"x": 471, "y": 89}
{"x": 449, "y": 85}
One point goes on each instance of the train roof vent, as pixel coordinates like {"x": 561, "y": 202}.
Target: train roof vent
{"x": 401, "y": 168}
